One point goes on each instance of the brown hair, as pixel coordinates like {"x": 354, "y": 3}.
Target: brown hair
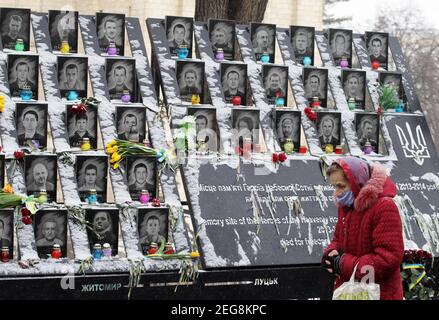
{"x": 333, "y": 168}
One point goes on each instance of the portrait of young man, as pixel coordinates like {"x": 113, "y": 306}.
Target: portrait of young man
{"x": 179, "y": 31}
{"x": 378, "y": 47}
{"x": 63, "y": 26}
{"x": 31, "y": 121}
{"x": 111, "y": 29}
{"x": 340, "y": 41}
{"x": 141, "y": 175}
{"x": 190, "y": 77}
{"x": 288, "y": 124}
{"x": 316, "y": 84}
{"x": 41, "y": 174}
{"x": 105, "y": 228}
{"x": 80, "y": 126}
{"x": 50, "y": 227}
{"x": 121, "y": 77}
{"x": 263, "y": 39}
{"x": 72, "y": 75}
{"x": 302, "y": 41}
{"x": 222, "y": 36}
{"x": 245, "y": 125}
{"x": 329, "y": 130}
{"x": 394, "y": 80}
{"x": 275, "y": 79}
{"x": 91, "y": 173}
{"x": 205, "y": 126}
{"x": 367, "y": 127}
{"x": 152, "y": 226}
{"x": 23, "y": 72}
{"x": 234, "y": 81}
{"x": 354, "y": 86}
{"x": 15, "y": 24}
{"x": 131, "y": 123}
{"x": 7, "y": 230}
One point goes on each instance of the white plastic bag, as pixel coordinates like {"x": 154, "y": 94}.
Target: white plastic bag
{"x": 353, "y": 290}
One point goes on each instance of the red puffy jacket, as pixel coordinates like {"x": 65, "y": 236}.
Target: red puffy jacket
{"x": 370, "y": 233}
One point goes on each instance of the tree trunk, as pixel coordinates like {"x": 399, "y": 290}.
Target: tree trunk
{"x": 243, "y": 11}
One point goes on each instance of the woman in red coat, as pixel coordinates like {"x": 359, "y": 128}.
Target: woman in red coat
{"x": 369, "y": 230}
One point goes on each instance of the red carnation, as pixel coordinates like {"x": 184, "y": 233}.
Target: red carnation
{"x": 18, "y": 154}
{"x": 308, "y": 110}
{"x": 26, "y": 220}
{"x": 156, "y": 202}
{"x": 282, "y": 157}
{"x": 312, "y": 117}
{"x": 25, "y": 212}
{"x": 79, "y": 109}
{"x": 275, "y": 157}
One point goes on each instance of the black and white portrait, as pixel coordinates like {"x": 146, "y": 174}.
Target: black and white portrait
{"x": 91, "y": 173}
{"x": 288, "y": 123}
{"x": 354, "y": 86}
{"x": 245, "y": 125}
{"x": 190, "y": 77}
{"x": 41, "y": 174}
{"x": 302, "y": 41}
{"x": 15, "y": 24}
{"x": 316, "y": 84}
{"x": 80, "y": 126}
{"x": 121, "y": 76}
{"x": 378, "y": 47}
{"x": 222, "y": 36}
{"x": 275, "y": 79}
{"x": 131, "y": 123}
{"x": 50, "y": 227}
{"x": 329, "y": 128}
{"x": 367, "y": 126}
{"x": 152, "y": 225}
{"x": 2, "y": 171}
{"x": 234, "y": 81}
{"x": 179, "y": 32}
{"x": 393, "y": 79}
{"x": 63, "y": 26}
{"x": 263, "y": 39}
{"x": 7, "y": 230}
{"x": 105, "y": 228}
{"x": 72, "y": 75}
{"x": 141, "y": 175}
{"x": 23, "y": 72}
{"x": 31, "y": 121}
{"x": 205, "y": 126}
{"x": 340, "y": 42}
{"x": 111, "y": 28}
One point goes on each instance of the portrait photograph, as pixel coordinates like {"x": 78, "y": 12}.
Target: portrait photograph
{"x": 23, "y": 72}
{"x": 179, "y": 32}
{"x": 315, "y": 82}
{"x": 206, "y": 126}
{"x": 190, "y": 77}
{"x": 15, "y": 24}
{"x": 110, "y": 27}
{"x": 275, "y": 80}
{"x": 234, "y": 81}
{"x": 222, "y": 36}
{"x": 367, "y": 127}
{"x": 131, "y": 123}
{"x": 394, "y": 79}
{"x": 2, "y": 170}
{"x": 31, "y": 123}
{"x": 91, "y": 173}
{"x": 263, "y": 37}
{"x": 141, "y": 174}
{"x": 50, "y": 227}
{"x": 378, "y": 47}
{"x": 72, "y": 75}
{"x": 302, "y": 41}
{"x": 329, "y": 128}
{"x": 354, "y": 86}
{"x": 80, "y": 126}
{"x": 63, "y": 26}
{"x": 121, "y": 76}
{"x": 340, "y": 42}
{"x": 7, "y": 230}
{"x": 245, "y": 125}
{"x": 104, "y": 229}
{"x": 40, "y": 173}
{"x": 152, "y": 226}
{"x": 288, "y": 124}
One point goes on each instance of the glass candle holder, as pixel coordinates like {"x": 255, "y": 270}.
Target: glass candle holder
{"x": 257, "y": 148}
{"x": 338, "y": 150}
{"x": 4, "y": 254}
{"x": 289, "y": 146}
{"x": 367, "y": 148}
{"x": 19, "y": 45}
{"x": 42, "y": 196}
{"x": 144, "y": 197}
{"x": 2, "y": 103}
{"x": 351, "y": 104}
{"x": 202, "y": 146}
{"x": 236, "y": 100}
{"x": 125, "y": 97}
{"x": 65, "y": 48}
{"x": 72, "y": 95}
{"x": 265, "y": 57}
{"x": 307, "y": 61}
{"x": 279, "y": 102}
{"x": 182, "y": 51}
{"x": 56, "y": 251}
{"x": 303, "y": 149}
{"x": 169, "y": 248}
{"x": 344, "y": 63}
{"x": 315, "y": 102}
{"x": 195, "y": 99}
{"x": 375, "y": 65}
{"x": 219, "y": 54}
{"x": 92, "y": 197}
{"x": 153, "y": 247}
{"x": 112, "y": 50}
{"x": 329, "y": 148}
{"x": 97, "y": 251}
{"x": 26, "y": 93}
{"x": 106, "y": 250}
{"x": 85, "y": 144}
{"x": 400, "y": 107}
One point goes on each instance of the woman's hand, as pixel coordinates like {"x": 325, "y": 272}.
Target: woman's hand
{"x": 328, "y": 263}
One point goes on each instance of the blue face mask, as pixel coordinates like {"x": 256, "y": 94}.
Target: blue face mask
{"x": 346, "y": 198}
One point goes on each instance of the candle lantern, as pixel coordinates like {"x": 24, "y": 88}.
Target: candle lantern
{"x": 72, "y": 95}
{"x": 236, "y": 100}
{"x": 97, "y": 251}
{"x": 202, "y": 145}
{"x": 42, "y": 196}
{"x": 265, "y": 57}
{"x": 280, "y": 101}
{"x": 195, "y": 99}
{"x": 19, "y": 45}
{"x": 92, "y": 197}
{"x": 169, "y": 248}
{"x": 56, "y": 251}
{"x": 144, "y": 197}
{"x": 344, "y": 63}
{"x": 367, "y": 148}
{"x": 5, "y": 254}
{"x": 219, "y": 54}
{"x": 289, "y": 146}
{"x": 126, "y": 97}
{"x": 307, "y": 61}
{"x": 153, "y": 247}
{"x": 106, "y": 250}
{"x": 182, "y": 52}
{"x": 351, "y": 104}
{"x": 85, "y": 144}
{"x": 65, "y": 48}
{"x": 375, "y": 65}
{"x": 112, "y": 50}
{"x": 400, "y": 107}
{"x": 26, "y": 93}
{"x": 257, "y": 148}
{"x": 303, "y": 149}
{"x": 329, "y": 148}
{"x": 315, "y": 102}
{"x": 338, "y": 149}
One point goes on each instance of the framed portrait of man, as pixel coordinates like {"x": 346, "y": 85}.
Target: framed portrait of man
{"x": 2, "y": 170}
{"x": 179, "y": 32}
{"x": 393, "y": 79}
{"x": 153, "y": 227}
{"x": 110, "y": 28}
{"x": 50, "y": 227}
{"x": 72, "y": 75}
{"x": 315, "y": 82}
{"x": 121, "y": 76}
{"x": 131, "y": 123}
{"x": 91, "y": 173}
{"x": 80, "y": 126}
{"x": 105, "y": 227}
{"x": 23, "y": 73}
{"x": 205, "y": 126}
{"x": 190, "y": 77}
{"x": 63, "y": 26}
{"x": 222, "y": 36}
{"x": 7, "y": 230}
{"x": 287, "y": 125}
{"x": 354, "y": 86}
{"x": 275, "y": 80}
{"x": 15, "y": 24}
{"x": 367, "y": 126}
{"x": 234, "y": 81}
{"x": 329, "y": 128}
{"x": 263, "y": 37}
{"x": 141, "y": 174}
{"x": 245, "y": 125}
{"x": 340, "y": 43}
{"x": 302, "y": 41}
{"x": 31, "y": 124}
{"x": 40, "y": 173}
{"x": 378, "y": 47}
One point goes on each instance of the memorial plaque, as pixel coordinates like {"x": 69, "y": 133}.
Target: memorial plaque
{"x": 354, "y": 86}
{"x": 15, "y": 24}
{"x": 302, "y": 41}
{"x": 72, "y": 75}
{"x": 263, "y": 36}
{"x": 7, "y": 230}
{"x": 340, "y": 43}
{"x": 222, "y": 36}
{"x": 378, "y": 47}
{"x": 315, "y": 82}
{"x": 63, "y": 26}
{"x": 50, "y": 227}
{"x": 275, "y": 82}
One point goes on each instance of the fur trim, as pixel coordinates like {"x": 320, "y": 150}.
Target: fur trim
{"x": 369, "y": 193}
